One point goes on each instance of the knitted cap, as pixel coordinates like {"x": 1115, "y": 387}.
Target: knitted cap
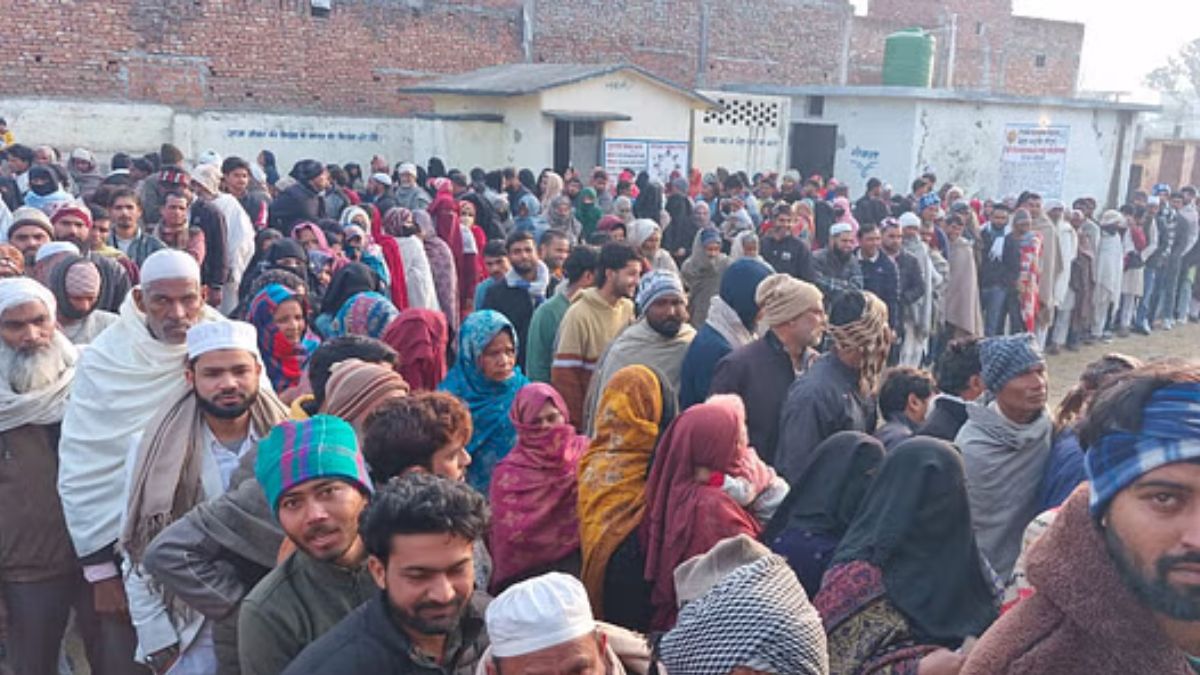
{"x": 1006, "y": 357}
{"x": 782, "y": 297}
{"x": 658, "y": 284}
{"x": 297, "y": 452}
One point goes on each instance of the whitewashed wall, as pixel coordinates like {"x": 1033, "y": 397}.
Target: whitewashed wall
{"x": 743, "y": 136}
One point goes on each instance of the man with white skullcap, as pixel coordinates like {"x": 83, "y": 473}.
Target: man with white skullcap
{"x": 408, "y": 194}
{"x": 134, "y": 366}
{"x": 187, "y": 454}
{"x": 419, "y": 533}
{"x": 38, "y": 567}
{"x": 835, "y": 267}
{"x": 659, "y": 338}
{"x": 545, "y": 625}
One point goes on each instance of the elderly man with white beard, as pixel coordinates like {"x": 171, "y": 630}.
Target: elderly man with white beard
{"x": 123, "y": 377}
{"x": 39, "y": 574}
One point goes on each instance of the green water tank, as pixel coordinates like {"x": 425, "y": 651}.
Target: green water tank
{"x": 908, "y": 59}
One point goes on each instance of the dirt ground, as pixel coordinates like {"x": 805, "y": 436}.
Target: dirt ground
{"x": 1065, "y": 367}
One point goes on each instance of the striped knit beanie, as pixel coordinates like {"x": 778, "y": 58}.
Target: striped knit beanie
{"x": 1006, "y": 357}
{"x": 296, "y": 452}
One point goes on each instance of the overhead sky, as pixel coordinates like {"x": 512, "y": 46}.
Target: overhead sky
{"x": 1123, "y": 40}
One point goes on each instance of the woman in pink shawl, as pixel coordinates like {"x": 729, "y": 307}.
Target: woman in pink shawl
{"x": 534, "y": 491}
{"x": 845, "y": 214}
{"x": 444, "y": 211}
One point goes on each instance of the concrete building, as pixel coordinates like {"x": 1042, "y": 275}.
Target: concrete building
{"x": 1168, "y": 149}
{"x": 990, "y": 144}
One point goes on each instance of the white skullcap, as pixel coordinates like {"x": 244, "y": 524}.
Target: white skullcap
{"x": 209, "y": 157}
{"x": 211, "y": 336}
{"x": 170, "y": 264}
{"x": 20, "y": 290}
{"x": 537, "y": 614}
{"x": 408, "y": 168}
{"x": 54, "y": 248}
{"x": 909, "y": 219}
{"x": 1152, "y": 200}
{"x": 839, "y": 228}
{"x": 208, "y": 176}
{"x": 382, "y": 179}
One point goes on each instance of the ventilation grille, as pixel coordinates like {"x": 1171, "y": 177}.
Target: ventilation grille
{"x": 744, "y": 112}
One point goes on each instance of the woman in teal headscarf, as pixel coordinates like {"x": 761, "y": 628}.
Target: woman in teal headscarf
{"x": 588, "y": 213}
{"x": 486, "y": 377}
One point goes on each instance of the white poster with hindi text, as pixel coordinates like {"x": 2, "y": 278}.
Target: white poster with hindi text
{"x": 1034, "y": 159}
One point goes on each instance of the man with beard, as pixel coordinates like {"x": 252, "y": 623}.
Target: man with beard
{"x": 316, "y": 484}
{"x": 522, "y": 289}
{"x": 122, "y": 377}
{"x": 918, "y": 314}
{"x": 1117, "y": 589}
{"x": 39, "y": 574}
{"x": 762, "y": 371}
{"x": 836, "y": 269}
{"x": 425, "y": 615}
{"x": 74, "y": 223}
{"x": 658, "y": 340}
{"x": 593, "y": 320}
{"x": 408, "y": 194}
{"x": 77, "y": 286}
{"x": 187, "y": 454}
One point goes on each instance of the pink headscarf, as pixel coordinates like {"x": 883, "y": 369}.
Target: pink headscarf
{"x": 534, "y": 491}
{"x": 847, "y": 213}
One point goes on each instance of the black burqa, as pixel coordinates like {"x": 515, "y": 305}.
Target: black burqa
{"x": 681, "y": 231}
{"x": 649, "y": 202}
{"x": 350, "y": 280}
{"x": 915, "y": 525}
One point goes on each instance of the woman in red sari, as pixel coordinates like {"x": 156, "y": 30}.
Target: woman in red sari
{"x": 687, "y": 513}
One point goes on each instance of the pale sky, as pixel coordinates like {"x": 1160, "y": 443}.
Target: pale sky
{"x": 1123, "y": 40}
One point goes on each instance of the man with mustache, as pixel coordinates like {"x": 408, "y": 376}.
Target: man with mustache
{"x": 1117, "y": 574}
{"x": 316, "y": 484}
{"x": 188, "y": 454}
{"x": 424, "y": 616}
{"x": 122, "y": 378}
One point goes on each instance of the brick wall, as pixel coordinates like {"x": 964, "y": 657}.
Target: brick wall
{"x": 273, "y": 55}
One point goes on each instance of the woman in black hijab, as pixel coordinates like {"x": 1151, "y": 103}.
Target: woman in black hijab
{"x": 649, "y": 202}
{"x": 680, "y": 233}
{"x": 907, "y": 579}
{"x": 353, "y": 278}
{"x": 821, "y": 505}
{"x": 527, "y": 180}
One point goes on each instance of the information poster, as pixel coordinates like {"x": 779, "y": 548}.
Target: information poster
{"x": 658, "y": 158}
{"x": 1034, "y": 158}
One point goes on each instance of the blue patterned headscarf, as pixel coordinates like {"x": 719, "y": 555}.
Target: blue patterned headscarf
{"x": 367, "y": 313}
{"x": 285, "y": 361}
{"x": 488, "y": 400}
{"x": 1170, "y": 433}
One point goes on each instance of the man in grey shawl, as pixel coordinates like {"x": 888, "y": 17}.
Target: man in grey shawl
{"x": 1005, "y": 447}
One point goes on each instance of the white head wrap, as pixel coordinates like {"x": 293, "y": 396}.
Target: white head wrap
{"x": 215, "y": 335}
{"x": 170, "y": 264}
{"x": 537, "y": 614}
{"x": 640, "y": 230}
{"x": 54, "y": 248}
{"x": 909, "y": 219}
{"x": 839, "y": 228}
{"x": 20, "y": 290}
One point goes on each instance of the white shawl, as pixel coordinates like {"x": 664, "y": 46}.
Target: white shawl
{"x": 239, "y": 246}
{"x": 418, "y": 275}
{"x": 45, "y": 406}
{"x": 121, "y": 380}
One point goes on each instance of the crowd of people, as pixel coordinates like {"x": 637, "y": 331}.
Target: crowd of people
{"x": 421, "y": 420}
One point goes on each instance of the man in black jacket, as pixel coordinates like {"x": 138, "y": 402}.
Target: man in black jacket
{"x": 999, "y": 270}
{"x": 870, "y": 208}
{"x": 420, "y": 535}
{"x": 958, "y": 373}
{"x": 521, "y": 290}
{"x": 303, "y": 201}
{"x": 783, "y": 250}
{"x": 911, "y": 282}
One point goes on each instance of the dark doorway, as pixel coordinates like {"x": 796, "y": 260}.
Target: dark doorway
{"x": 577, "y": 144}
{"x": 1136, "y": 171}
{"x": 813, "y": 149}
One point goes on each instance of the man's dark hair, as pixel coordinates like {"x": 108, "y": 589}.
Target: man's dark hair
{"x": 21, "y": 152}
{"x": 120, "y": 161}
{"x": 918, "y": 184}
{"x": 1119, "y": 403}
{"x": 406, "y": 432}
{"x": 614, "y": 255}
{"x": 865, "y": 229}
{"x": 125, "y": 193}
{"x": 957, "y": 364}
{"x": 175, "y": 194}
{"x": 847, "y": 308}
{"x": 1000, "y": 206}
{"x": 581, "y": 260}
{"x": 1188, "y": 190}
{"x": 599, "y": 173}
{"x": 782, "y": 208}
{"x": 929, "y": 177}
{"x": 459, "y": 178}
{"x": 232, "y": 164}
{"x": 422, "y": 503}
{"x": 733, "y": 183}
{"x": 549, "y": 236}
{"x": 955, "y": 219}
{"x": 516, "y": 237}
{"x": 896, "y": 386}
{"x": 813, "y": 182}
{"x": 509, "y": 172}
{"x": 337, "y": 350}
{"x": 141, "y": 164}
{"x": 873, "y": 183}
{"x": 495, "y": 248}
{"x": 98, "y": 212}
{"x": 1176, "y": 195}
{"x": 338, "y": 175}
{"x": 1026, "y": 196}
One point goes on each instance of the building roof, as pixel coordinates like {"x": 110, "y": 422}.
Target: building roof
{"x": 520, "y": 79}
{"x": 930, "y": 94}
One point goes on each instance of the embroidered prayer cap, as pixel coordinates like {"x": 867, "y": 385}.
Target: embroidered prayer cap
{"x": 382, "y": 178}
{"x": 54, "y": 248}
{"x": 168, "y": 263}
{"x": 537, "y": 614}
{"x": 296, "y": 452}
{"x": 20, "y": 290}
{"x": 407, "y": 168}
{"x": 1005, "y": 357}
{"x": 839, "y": 228}
{"x": 782, "y": 297}
{"x": 909, "y": 219}
{"x": 211, "y": 336}
{"x": 658, "y": 284}
{"x": 1170, "y": 433}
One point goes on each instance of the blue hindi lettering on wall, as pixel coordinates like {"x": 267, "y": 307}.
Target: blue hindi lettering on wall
{"x": 864, "y": 160}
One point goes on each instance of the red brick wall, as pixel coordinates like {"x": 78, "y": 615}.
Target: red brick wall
{"x": 1058, "y": 41}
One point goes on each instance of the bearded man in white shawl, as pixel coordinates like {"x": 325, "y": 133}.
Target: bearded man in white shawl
{"x": 122, "y": 378}
{"x": 188, "y": 454}
{"x": 918, "y": 316}
{"x": 38, "y": 568}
